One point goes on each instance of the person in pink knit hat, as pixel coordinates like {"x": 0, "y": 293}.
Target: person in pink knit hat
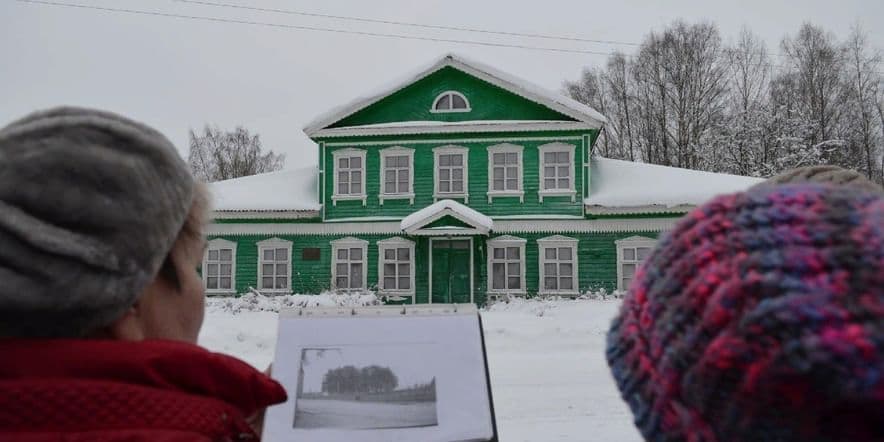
{"x": 760, "y": 317}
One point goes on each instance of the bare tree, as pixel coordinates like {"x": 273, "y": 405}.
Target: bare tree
{"x": 862, "y": 85}
{"x": 217, "y": 155}
{"x": 686, "y": 99}
{"x": 749, "y": 77}
{"x": 818, "y": 62}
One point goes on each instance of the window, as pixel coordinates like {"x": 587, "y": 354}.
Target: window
{"x": 219, "y": 266}
{"x": 451, "y": 172}
{"x": 396, "y": 266}
{"x": 558, "y": 265}
{"x": 349, "y": 178}
{"x": 505, "y": 171}
{"x": 630, "y": 253}
{"x": 397, "y": 174}
{"x": 274, "y": 265}
{"x": 450, "y": 101}
{"x": 557, "y": 170}
{"x": 349, "y": 263}
{"x": 506, "y": 265}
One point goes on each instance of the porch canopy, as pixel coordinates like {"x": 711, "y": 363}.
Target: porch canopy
{"x": 446, "y": 217}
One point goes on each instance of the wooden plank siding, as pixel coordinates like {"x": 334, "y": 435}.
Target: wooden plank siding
{"x": 477, "y": 181}
{"x": 596, "y": 254}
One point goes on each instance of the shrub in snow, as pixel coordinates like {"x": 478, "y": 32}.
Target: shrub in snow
{"x": 537, "y": 306}
{"x": 254, "y": 301}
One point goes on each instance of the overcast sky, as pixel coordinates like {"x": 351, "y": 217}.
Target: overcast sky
{"x": 175, "y": 73}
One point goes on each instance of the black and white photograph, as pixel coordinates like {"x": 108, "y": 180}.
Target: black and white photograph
{"x": 365, "y": 388}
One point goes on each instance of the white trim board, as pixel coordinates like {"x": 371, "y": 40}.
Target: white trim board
{"x": 452, "y": 141}
{"x": 266, "y": 214}
{"x": 501, "y": 226}
{"x": 417, "y": 128}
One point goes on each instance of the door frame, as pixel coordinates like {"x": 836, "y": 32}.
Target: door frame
{"x": 472, "y": 269}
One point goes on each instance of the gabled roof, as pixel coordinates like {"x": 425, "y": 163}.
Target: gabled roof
{"x": 283, "y": 191}
{"x": 558, "y": 102}
{"x": 416, "y": 223}
{"x": 618, "y": 186}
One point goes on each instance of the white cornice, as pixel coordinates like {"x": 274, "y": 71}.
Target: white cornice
{"x": 393, "y": 228}
{"x": 265, "y": 214}
{"x": 647, "y": 209}
{"x": 418, "y": 128}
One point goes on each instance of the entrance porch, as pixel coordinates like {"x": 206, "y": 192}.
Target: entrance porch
{"x": 454, "y": 236}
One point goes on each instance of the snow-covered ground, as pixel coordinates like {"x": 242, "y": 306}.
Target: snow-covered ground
{"x": 548, "y": 373}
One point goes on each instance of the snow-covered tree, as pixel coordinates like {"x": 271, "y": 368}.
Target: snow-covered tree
{"x": 218, "y": 155}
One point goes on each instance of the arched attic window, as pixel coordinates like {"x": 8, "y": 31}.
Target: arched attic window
{"x": 451, "y": 101}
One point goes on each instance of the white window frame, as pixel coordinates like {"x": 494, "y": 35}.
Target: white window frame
{"x": 506, "y": 241}
{"x": 274, "y": 243}
{"x": 630, "y": 243}
{"x": 448, "y": 111}
{"x": 557, "y": 242}
{"x": 396, "y": 151}
{"x": 219, "y": 244}
{"x": 451, "y": 150}
{"x": 505, "y": 148}
{"x": 550, "y": 148}
{"x": 349, "y": 243}
{"x": 348, "y": 152}
{"x": 395, "y": 243}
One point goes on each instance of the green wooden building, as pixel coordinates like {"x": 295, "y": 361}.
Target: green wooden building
{"x": 456, "y": 184}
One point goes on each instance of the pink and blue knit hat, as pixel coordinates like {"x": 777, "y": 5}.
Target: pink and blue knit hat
{"x": 760, "y": 317}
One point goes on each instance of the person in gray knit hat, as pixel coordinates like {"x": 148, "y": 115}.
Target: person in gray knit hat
{"x": 101, "y": 236}
{"x": 90, "y": 207}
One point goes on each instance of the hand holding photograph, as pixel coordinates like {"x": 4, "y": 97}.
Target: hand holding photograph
{"x": 382, "y": 374}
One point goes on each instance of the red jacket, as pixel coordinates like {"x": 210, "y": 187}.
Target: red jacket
{"x": 103, "y": 390}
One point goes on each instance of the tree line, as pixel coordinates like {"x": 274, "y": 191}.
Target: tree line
{"x": 688, "y": 99}
{"x": 349, "y": 379}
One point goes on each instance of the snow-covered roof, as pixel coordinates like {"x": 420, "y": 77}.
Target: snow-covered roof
{"x": 286, "y": 190}
{"x": 640, "y": 187}
{"x": 556, "y": 101}
{"x": 417, "y": 220}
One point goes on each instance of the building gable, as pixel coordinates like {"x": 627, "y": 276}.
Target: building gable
{"x": 415, "y": 103}
{"x": 496, "y": 102}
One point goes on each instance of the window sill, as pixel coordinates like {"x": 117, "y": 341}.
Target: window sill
{"x": 438, "y": 196}
{"x": 450, "y": 111}
{"x": 336, "y": 198}
{"x": 506, "y": 292}
{"x": 215, "y": 292}
{"x": 558, "y": 293}
{"x": 506, "y": 194}
{"x": 275, "y": 291}
{"x": 408, "y": 293}
{"x": 396, "y": 196}
{"x": 547, "y": 193}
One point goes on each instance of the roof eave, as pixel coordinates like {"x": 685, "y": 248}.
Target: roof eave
{"x": 265, "y": 213}
{"x": 648, "y": 209}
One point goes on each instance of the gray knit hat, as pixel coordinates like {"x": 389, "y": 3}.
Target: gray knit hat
{"x": 90, "y": 205}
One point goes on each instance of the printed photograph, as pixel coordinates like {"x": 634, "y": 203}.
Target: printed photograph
{"x": 365, "y": 388}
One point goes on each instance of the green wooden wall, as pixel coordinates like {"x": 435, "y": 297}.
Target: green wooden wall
{"x": 596, "y": 254}
{"x": 487, "y": 101}
{"x": 477, "y": 182}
